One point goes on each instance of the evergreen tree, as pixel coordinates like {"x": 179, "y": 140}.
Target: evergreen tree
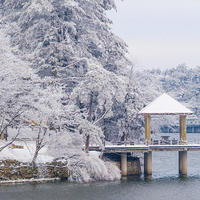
{"x": 65, "y": 39}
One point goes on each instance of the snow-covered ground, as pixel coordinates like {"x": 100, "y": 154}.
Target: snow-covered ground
{"x": 25, "y": 154}
{"x": 26, "y": 139}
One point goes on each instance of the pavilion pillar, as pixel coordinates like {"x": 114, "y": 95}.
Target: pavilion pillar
{"x": 183, "y": 140}
{"x": 124, "y": 167}
{"x": 183, "y": 163}
{"x": 148, "y": 163}
{"x": 147, "y": 129}
{"x": 183, "y": 137}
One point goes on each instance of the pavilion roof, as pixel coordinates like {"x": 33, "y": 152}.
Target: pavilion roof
{"x": 165, "y": 105}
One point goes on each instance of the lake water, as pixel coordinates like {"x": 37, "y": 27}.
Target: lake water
{"x": 165, "y": 184}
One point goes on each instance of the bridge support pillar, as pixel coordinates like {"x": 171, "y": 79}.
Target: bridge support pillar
{"x": 124, "y": 164}
{"x": 183, "y": 163}
{"x": 148, "y": 163}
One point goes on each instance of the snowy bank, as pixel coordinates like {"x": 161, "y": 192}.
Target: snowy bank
{"x": 15, "y": 163}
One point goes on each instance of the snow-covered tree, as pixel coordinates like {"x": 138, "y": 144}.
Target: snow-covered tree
{"x": 16, "y": 83}
{"x": 65, "y": 39}
{"x": 95, "y": 94}
{"x": 54, "y": 34}
{"x": 26, "y": 99}
{"x": 22, "y": 89}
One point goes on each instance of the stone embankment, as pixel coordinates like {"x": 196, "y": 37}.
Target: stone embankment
{"x": 15, "y": 170}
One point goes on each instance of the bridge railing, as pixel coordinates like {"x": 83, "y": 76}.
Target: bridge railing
{"x": 157, "y": 142}
{"x": 174, "y": 142}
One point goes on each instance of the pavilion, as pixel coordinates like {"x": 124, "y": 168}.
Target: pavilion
{"x": 165, "y": 105}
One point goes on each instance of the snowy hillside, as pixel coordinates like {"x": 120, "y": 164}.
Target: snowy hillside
{"x": 182, "y": 83}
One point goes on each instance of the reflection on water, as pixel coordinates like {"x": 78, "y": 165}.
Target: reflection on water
{"x": 165, "y": 184}
{"x": 168, "y": 188}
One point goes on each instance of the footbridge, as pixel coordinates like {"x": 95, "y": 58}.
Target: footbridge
{"x": 149, "y": 148}
{"x": 163, "y": 105}
{"x": 123, "y": 150}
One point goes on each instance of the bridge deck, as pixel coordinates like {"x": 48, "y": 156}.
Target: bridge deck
{"x": 147, "y": 148}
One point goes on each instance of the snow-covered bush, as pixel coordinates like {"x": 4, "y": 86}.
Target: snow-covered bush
{"x": 84, "y": 167}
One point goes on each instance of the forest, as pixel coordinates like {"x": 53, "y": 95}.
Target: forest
{"x": 65, "y": 73}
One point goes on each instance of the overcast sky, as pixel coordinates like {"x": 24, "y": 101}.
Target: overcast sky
{"x": 159, "y": 33}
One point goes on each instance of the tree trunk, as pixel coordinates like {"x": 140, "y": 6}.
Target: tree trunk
{"x": 87, "y": 143}
{"x": 34, "y": 158}
{"x": 89, "y": 118}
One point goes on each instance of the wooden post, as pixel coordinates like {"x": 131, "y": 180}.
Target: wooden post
{"x": 183, "y": 138}
{"x": 183, "y": 163}
{"x": 148, "y": 163}
{"x": 124, "y": 164}
{"x": 147, "y": 129}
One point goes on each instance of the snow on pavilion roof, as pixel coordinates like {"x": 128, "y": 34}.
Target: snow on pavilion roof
{"x": 165, "y": 105}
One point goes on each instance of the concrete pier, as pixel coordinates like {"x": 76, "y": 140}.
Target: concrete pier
{"x": 124, "y": 166}
{"x": 148, "y": 163}
{"x": 183, "y": 154}
{"x": 182, "y": 162}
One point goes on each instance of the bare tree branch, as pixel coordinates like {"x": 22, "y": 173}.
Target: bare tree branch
{"x": 11, "y": 120}
{"x": 105, "y": 113}
{"x": 9, "y": 143}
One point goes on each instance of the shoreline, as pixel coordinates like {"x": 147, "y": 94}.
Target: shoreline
{"x": 33, "y": 180}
